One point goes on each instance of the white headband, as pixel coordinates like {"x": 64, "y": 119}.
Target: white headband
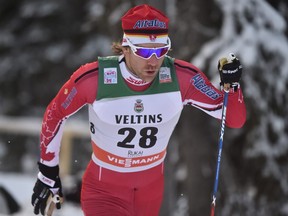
{"x": 140, "y": 39}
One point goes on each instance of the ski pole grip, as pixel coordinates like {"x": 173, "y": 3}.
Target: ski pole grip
{"x": 230, "y": 59}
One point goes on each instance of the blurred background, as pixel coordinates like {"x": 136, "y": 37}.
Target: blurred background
{"x": 43, "y": 42}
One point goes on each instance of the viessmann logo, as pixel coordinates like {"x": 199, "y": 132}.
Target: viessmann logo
{"x": 133, "y": 162}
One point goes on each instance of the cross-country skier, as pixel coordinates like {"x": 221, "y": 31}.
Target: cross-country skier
{"x": 135, "y": 100}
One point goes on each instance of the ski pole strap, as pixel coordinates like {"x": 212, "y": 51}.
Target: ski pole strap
{"x": 52, "y": 202}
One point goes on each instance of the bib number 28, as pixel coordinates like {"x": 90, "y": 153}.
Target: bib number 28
{"x": 147, "y": 140}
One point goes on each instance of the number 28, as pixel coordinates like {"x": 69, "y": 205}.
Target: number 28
{"x": 148, "y": 137}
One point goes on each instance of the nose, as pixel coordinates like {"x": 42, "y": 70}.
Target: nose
{"x": 152, "y": 60}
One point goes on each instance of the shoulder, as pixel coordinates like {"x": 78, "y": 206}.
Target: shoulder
{"x": 185, "y": 70}
{"x": 85, "y": 80}
{"x": 86, "y": 71}
{"x": 185, "y": 67}
{"x": 188, "y": 76}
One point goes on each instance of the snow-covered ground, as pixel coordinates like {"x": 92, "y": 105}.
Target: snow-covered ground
{"x": 20, "y": 186}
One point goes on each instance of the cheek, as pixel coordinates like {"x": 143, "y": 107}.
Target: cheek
{"x": 137, "y": 62}
{"x": 159, "y": 63}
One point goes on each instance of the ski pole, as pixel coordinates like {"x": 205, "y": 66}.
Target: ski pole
{"x": 52, "y": 201}
{"x": 220, "y": 143}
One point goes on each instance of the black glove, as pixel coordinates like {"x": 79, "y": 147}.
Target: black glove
{"x": 42, "y": 191}
{"x": 230, "y": 70}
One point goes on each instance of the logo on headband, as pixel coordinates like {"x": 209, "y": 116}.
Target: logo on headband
{"x": 149, "y": 24}
{"x": 152, "y": 37}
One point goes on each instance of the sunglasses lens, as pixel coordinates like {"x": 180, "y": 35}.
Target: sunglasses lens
{"x": 147, "y": 53}
{"x": 144, "y": 53}
{"x": 162, "y": 51}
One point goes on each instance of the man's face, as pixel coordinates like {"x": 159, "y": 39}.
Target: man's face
{"x": 146, "y": 69}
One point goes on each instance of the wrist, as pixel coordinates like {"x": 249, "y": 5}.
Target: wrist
{"x": 48, "y": 175}
{"x": 47, "y": 181}
{"x": 51, "y": 172}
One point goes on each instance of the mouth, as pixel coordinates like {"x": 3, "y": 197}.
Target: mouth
{"x": 151, "y": 71}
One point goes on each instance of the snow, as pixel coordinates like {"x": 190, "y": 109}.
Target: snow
{"x": 261, "y": 45}
{"x": 20, "y": 186}
{"x": 32, "y": 9}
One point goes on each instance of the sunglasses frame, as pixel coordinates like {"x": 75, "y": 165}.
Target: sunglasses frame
{"x": 134, "y": 49}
